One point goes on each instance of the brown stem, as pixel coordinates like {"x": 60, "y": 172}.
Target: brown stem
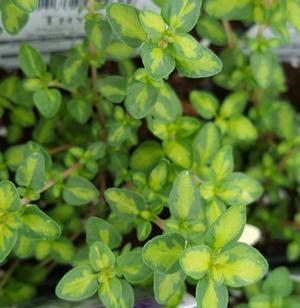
{"x": 282, "y": 164}
{"x": 102, "y": 186}
{"x": 52, "y": 182}
{"x": 94, "y": 75}
{"x": 229, "y": 33}
{"x": 58, "y": 149}
{"x": 160, "y": 223}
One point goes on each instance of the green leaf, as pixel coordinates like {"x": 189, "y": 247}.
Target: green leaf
{"x": 196, "y": 261}
{"x": 78, "y": 284}
{"x": 184, "y": 200}
{"x": 31, "y": 173}
{"x": 228, "y": 228}
{"x": 230, "y": 10}
{"x": 214, "y": 209}
{"x": 110, "y": 292}
{"x": 128, "y": 29}
{"x": 126, "y": 203}
{"x": 13, "y": 18}
{"x": 140, "y": 99}
{"x": 211, "y": 29}
{"x": 293, "y": 13}
{"x": 62, "y": 250}
{"x": 153, "y": 24}
{"x": 239, "y": 188}
{"x": 165, "y": 286}
{"x": 205, "y": 103}
{"x": 119, "y": 51}
{"x": 143, "y": 230}
{"x": 242, "y": 129}
{"x": 132, "y": 266}
{"x": 278, "y": 282}
{"x": 24, "y": 247}
{"x": 113, "y": 88}
{"x": 79, "y": 191}
{"x": 75, "y": 70}
{"x": 8, "y": 239}
{"x": 234, "y": 104}
{"x": 9, "y": 197}
{"x": 167, "y": 106}
{"x": 38, "y": 225}
{"x": 26, "y": 5}
{"x": 127, "y": 298}
{"x": 206, "y": 66}
{"x": 158, "y": 176}
{"x": 206, "y": 144}
{"x": 285, "y": 119}
{"x": 293, "y": 251}
{"x": 186, "y": 46}
{"x": 186, "y": 126}
{"x": 292, "y": 301}
{"x": 182, "y": 15}
{"x": 180, "y": 152}
{"x": 260, "y": 300}
{"x": 146, "y": 156}
{"x": 222, "y": 164}
{"x": 163, "y": 252}
{"x": 98, "y": 229}
{"x": 244, "y": 266}
{"x": 47, "y": 101}
{"x": 98, "y": 32}
{"x": 211, "y": 294}
{"x": 159, "y": 129}
{"x": 96, "y": 150}
{"x": 262, "y": 68}
{"x": 31, "y": 61}
{"x": 101, "y": 257}
{"x": 80, "y": 109}
{"x": 117, "y": 133}
{"x": 158, "y": 62}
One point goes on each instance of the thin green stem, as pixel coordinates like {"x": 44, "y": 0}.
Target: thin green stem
{"x": 52, "y": 182}
{"x": 59, "y": 85}
{"x": 229, "y": 33}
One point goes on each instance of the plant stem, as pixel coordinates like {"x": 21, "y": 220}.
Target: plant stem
{"x": 91, "y": 6}
{"x": 58, "y": 149}
{"x": 57, "y": 84}
{"x": 282, "y": 164}
{"x": 160, "y": 223}
{"x": 94, "y": 74}
{"x": 229, "y": 33}
{"x": 260, "y": 31}
{"x": 52, "y": 182}
{"x": 9, "y": 272}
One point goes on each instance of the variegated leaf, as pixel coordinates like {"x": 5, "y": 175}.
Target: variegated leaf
{"x": 78, "y": 284}
{"x": 228, "y": 228}
{"x": 163, "y": 252}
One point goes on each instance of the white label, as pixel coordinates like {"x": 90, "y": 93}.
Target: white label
{"x": 288, "y": 53}
{"x": 251, "y": 235}
{"x": 55, "y": 26}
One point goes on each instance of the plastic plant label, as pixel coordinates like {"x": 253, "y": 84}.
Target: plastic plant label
{"x": 55, "y": 26}
{"x": 251, "y": 235}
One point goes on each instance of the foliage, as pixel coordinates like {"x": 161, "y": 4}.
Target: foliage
{"x": 101, "y": 149}
{"x": 276, "y": 290}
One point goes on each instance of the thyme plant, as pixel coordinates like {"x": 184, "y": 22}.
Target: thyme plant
{"x": 105, "y": 171}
